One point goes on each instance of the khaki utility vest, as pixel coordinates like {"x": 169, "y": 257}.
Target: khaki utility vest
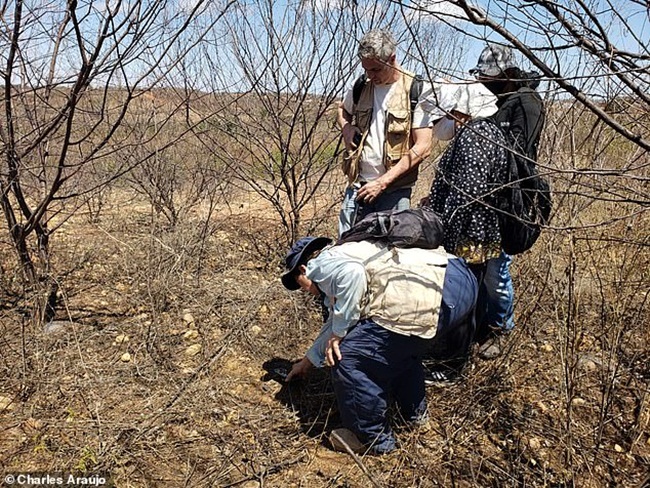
{"x": 397, "y": 129}
{"x": 404, "y": 292}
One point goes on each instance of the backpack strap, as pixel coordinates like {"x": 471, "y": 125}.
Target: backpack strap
{"x": 415, "y": 92}
{"x": 358, "y": 88}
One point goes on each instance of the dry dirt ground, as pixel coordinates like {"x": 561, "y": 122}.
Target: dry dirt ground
{"x": 153, "y": 374}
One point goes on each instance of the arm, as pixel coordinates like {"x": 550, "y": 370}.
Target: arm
{"x": 344, "y": 282}
{"x": 344, "y": 119}
{"x": 419, "y": 151}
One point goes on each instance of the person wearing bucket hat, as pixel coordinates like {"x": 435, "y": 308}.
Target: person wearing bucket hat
{"x": 520, "y": 114}
{"x": 494, "y": 61}
{"x": 375, "y": 349}
{"x": 469, "y": 170}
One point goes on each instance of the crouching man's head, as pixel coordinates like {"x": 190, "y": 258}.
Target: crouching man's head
{"x": 296, "y": 261}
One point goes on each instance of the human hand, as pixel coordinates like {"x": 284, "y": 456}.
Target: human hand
{"x": 332, "y": 351}
{"x": 299, "y": 369}
{"x": 369, "y": 192}
{"x": 351, "y": 136}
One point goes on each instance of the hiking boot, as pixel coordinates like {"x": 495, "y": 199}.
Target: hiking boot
{"x": 343, "y": 439}
{"x": 493, "y": 346}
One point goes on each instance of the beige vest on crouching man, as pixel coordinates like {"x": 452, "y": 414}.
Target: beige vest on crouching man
{"x": 397, "y": 129}
{"x": 404, "y": 286}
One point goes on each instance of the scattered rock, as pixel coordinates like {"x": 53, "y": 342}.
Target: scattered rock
{"x": 56, "y": 326}
{"x": 255, "y": 330}
{"x": 188, "y": 318}
{"x": 542, "y": 407}
{"x": 534, "y": 443}
{"x": 193, "y": 350}
{"x": 121, "y": 339}
{"x": 578, "y": 402}
{"x": 546, "y": 348}
{"x": 191, "y": 334}
{"x": 588, "y": 364}
{"x": 618, "y": 448}
{"x": 6, "y": 404}
{"x": 31, "y": 426}
{"x": 125, "y": 358}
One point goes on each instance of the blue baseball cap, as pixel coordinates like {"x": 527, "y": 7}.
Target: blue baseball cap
{"x": 301, "y": 248}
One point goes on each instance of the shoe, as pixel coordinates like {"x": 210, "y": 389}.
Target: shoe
{"x": 420, "y": 424}
{"x": 344, "y": 440}
{"x": 493, "y": 346}
{"x": 440, "y": 377}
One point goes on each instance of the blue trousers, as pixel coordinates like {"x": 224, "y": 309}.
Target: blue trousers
{"x": 352, "y": 211}
{"x": 496, "y": 294}
{"x": 379, "y": 366}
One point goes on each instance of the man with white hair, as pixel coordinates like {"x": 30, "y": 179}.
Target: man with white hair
{"x": 386, "y": 121}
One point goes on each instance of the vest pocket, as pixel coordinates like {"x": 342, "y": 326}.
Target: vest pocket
{"x": 363, "y": 119}
{"x": 398, "y": 125}
{"x": 397, "y": 121}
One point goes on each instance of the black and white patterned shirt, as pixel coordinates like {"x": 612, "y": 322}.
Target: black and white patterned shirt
{"x": 467, "y": 176}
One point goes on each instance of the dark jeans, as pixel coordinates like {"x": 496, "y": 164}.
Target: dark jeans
{"x": 378, "y": 366}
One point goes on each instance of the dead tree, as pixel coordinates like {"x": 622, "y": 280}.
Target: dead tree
{"x": 76, "y": 81}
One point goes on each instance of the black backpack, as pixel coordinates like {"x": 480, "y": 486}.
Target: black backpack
{"x": 414, "y": 93}
{"x": 523, "y": 203}
{"x": 413, "y": 227}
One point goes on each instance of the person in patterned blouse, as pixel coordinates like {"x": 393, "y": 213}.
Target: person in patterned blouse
{"x": 467, "y": 176}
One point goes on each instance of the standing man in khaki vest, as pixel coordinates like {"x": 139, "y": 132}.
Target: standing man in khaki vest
{"x": 386, "y": 135}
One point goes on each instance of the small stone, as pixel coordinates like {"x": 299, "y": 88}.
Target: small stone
{"x": 191, "y": 334}
{"x": 578, "y": 402}
{"x": 6, "y": 404}
{"x": 618, "y": 448}
{"x": 125, "y": 358}
{"x": 534, "y": 443}
{"x": 188, "y": 318}
{"x": 546, "y": 348}
{"x": 542, "y": 407}
{"x": 56, "y": 326}
{"x": 193, "y": 350}
{"x": 32, "y": 425}
{"x": 121, "y": 339}
{"x": 256, "y": 329}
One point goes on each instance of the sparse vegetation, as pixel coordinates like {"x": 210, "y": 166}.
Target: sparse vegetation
{"x": 156, "y": 225}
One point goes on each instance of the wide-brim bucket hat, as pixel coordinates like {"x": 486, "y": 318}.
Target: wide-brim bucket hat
{"x": 301, "y": 248}
{"x": 494, "y": 61}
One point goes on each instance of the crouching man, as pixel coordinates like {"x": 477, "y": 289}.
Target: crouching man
{"x": 385, "y": 307}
